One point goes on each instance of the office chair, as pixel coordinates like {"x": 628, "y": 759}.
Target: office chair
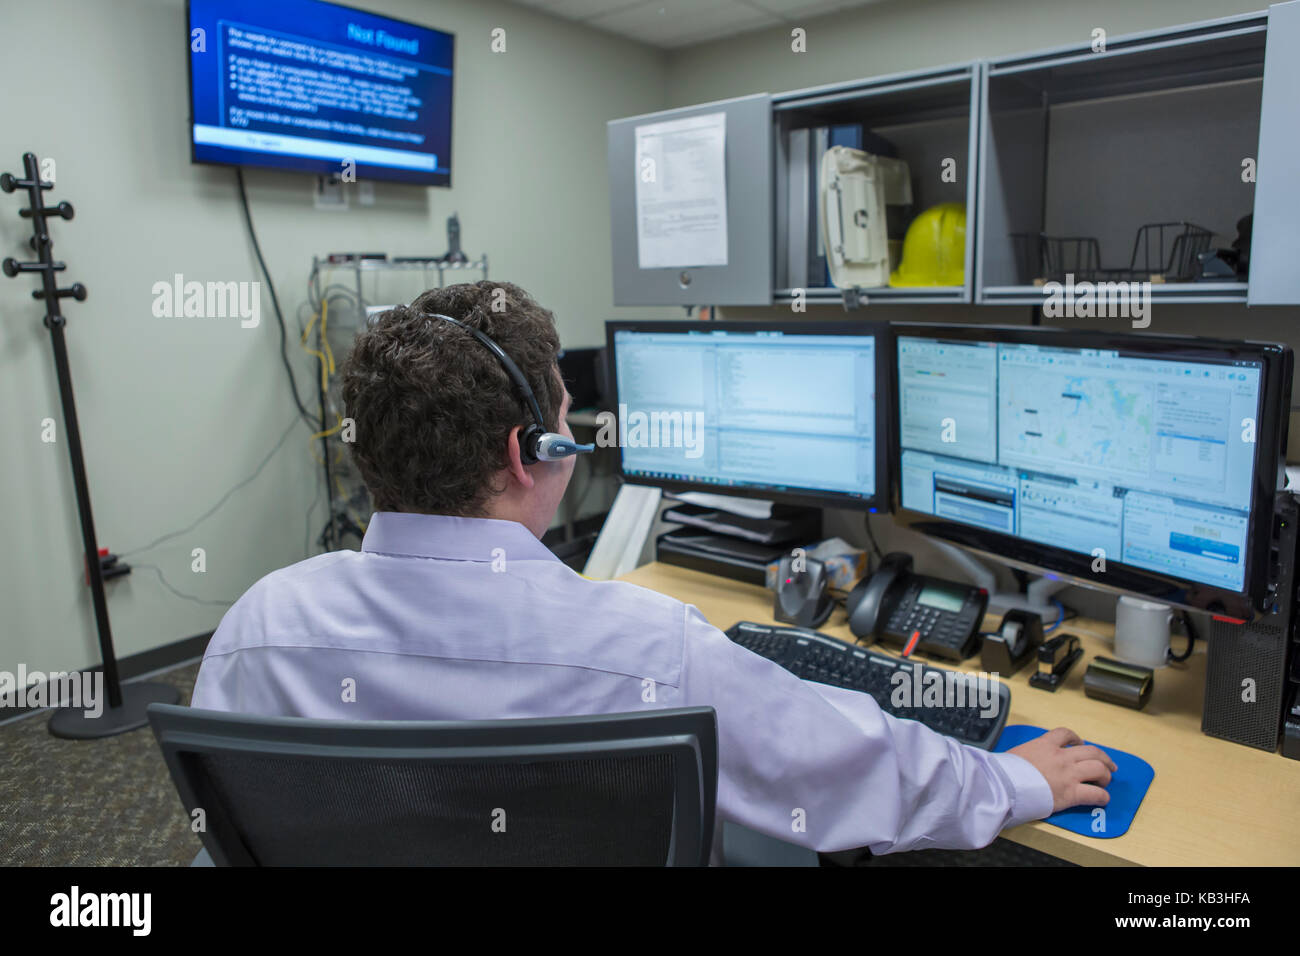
{"x": 609, "y": 789}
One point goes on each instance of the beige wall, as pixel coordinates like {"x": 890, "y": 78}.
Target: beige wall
{"x": 175, "y": 412}
{"x": 892, "y": 36}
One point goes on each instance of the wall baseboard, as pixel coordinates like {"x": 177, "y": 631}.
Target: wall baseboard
{"x": 135, "y": 665}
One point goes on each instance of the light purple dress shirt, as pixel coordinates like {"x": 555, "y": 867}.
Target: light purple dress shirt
{"x": 440, "y": 618}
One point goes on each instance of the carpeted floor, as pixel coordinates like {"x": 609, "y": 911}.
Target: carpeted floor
{"x": 998, "y": 853}
{"x": 103, "y": 802}
{"x": 111, "y": 802}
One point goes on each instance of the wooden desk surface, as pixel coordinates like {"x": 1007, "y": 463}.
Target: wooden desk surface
{"x": 1212, "y": 802}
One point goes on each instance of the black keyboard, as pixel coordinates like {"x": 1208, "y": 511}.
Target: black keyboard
{"x": 957, "y": 712}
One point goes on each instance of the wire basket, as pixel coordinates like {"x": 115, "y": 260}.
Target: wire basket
{"x": 1162, "y": 252}
{"x": 1168, "y": 251}
{"x": 1041, "y": 258}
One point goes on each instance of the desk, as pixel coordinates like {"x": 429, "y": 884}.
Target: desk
{"x": 1212, "y": 802}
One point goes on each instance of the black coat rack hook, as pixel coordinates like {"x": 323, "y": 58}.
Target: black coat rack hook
{"x": 125, "y": 708}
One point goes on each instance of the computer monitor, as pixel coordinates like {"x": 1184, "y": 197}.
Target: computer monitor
{"x": 315, "y": 87}
{"x": 1133, "y": 462}
{"x": 784, "y": 411}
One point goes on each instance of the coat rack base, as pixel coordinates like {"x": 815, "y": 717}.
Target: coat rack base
{"x": 71, "y": 723}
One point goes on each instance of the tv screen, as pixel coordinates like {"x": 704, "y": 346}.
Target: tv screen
{"x": 315, "y": 87}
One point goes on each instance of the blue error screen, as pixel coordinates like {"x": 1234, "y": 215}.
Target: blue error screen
{"x": 315, "y": 87}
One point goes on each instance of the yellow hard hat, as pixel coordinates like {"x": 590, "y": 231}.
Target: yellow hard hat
{"x": 934, "y": 249}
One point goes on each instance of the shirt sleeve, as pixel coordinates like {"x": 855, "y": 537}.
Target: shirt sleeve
{"x": 826, "y": 768}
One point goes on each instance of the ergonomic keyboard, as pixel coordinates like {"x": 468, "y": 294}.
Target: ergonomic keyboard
{"x": 970, "y": 708}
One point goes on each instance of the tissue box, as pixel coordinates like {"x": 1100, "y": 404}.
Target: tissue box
{"x": 845, "y": 564}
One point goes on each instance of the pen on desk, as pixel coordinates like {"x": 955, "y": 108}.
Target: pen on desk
{"x": 911, "y": 643}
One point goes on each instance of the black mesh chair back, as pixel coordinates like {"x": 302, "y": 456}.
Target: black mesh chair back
{"x": 634, "y": 789}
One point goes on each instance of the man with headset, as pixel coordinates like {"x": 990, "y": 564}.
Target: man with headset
{"x": 454, "y": 610}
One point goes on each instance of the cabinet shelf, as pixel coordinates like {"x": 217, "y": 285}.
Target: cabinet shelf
{"x": 1165, "y": 292}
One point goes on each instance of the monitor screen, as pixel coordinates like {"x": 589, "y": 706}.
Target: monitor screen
{"x": 1129, "y": 454}
{"x": 783, "y": 411}
{"x": 314, "y": 87}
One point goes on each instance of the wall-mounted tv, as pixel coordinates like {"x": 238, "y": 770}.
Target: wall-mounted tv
{"x": 315, "y": 87}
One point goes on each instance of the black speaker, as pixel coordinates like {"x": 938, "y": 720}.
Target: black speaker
{"x": 580, "y": 369}
{"x": 1246, "y": 672}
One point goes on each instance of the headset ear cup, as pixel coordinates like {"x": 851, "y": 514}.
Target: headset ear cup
{"x": 529, "y": 439}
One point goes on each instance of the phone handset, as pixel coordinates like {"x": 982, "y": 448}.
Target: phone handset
{"x": 870, "y": 600}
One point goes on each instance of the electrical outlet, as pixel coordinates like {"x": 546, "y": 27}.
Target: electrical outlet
{"x": 331, "y": 194}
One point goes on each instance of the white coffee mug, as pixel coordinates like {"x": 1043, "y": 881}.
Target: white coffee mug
{"x": 1142, "y": 631}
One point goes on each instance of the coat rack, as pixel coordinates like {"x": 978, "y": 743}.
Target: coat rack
{"x": 125, "y": 708}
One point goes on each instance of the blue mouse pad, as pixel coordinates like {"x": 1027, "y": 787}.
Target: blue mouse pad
{"x": 1128, "y": 785}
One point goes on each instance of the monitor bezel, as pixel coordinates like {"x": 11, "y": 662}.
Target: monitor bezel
{"x": 878, "y": 329}
{"x": 1268, "y": 479}
{"x": 365, "y": 171}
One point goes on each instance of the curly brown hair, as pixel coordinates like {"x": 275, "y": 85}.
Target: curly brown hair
{"x": 433, "y": 407}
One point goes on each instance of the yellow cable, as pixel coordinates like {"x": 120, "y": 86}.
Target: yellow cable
{"x": 338, "y": 455}
{"x": 324, "y": 339}
{"x": 326, "y": 357}
{"x": 329, "y": 431}
{"x": 327, "y": 368}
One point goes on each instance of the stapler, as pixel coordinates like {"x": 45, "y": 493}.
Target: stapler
{"x": 1055, "y": 658}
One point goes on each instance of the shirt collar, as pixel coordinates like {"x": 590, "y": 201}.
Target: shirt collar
{"x": 454, "y": 539}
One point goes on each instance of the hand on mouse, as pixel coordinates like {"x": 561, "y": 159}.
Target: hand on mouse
{"x": 1076, "y": 772}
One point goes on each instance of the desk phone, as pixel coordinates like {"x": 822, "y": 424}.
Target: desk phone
{"x": 899, "y": 607}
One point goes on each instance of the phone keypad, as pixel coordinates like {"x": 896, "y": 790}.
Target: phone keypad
{"x": 942, "y": 633}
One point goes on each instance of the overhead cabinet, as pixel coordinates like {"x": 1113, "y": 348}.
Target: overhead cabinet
{"x": 1170, "y": 157}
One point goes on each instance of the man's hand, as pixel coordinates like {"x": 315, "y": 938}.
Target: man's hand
{"x": 1075, "y": 771}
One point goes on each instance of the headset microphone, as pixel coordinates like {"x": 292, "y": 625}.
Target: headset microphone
{"x": 535, "y": 442}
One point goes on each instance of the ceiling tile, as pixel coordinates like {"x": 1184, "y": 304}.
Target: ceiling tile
{"x": 583, "y": 10}
{"x": 670, "y": 24}
{"x": 683, "y": 22}
{"x": 805, "y": 8}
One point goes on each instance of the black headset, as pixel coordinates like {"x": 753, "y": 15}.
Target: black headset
{"x": 535, "y": 442}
